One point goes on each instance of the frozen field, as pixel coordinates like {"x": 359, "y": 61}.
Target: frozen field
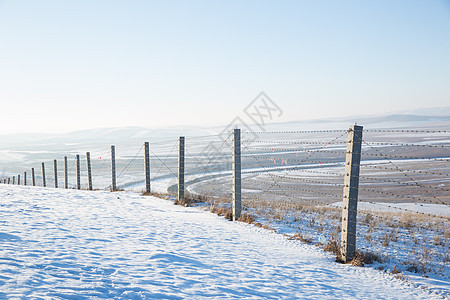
{"x": 68, "y": 244}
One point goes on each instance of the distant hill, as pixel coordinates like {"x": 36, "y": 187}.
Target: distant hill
{"x": 390, "y": 121}
{"x": 437, "y": 118}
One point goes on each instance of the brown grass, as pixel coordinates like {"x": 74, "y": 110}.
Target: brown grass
{"x": 395, "y": 270}
{"x": 247, "y": 218}
{"x": 222, "y": 211}
{"x": 157, "y": 195}
{"x": 334, "y": 247}
{"x": 189, "y": 200}
{"x": 364, "y": 258}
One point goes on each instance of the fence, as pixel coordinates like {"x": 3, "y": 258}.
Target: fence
{"x": 293, "y": 181}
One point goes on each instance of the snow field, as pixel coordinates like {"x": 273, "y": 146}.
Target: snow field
{"x": 69, "y": 244}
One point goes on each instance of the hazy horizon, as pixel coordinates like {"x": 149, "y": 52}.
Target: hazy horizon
{"x": 436, "y": 112}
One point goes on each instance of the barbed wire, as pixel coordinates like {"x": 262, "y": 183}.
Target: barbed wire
{"x": 409, "y": 211}
{"x": 406, "y": 157}
{"x": 299, "y": 150}
{"x": 299, "y": 142}
{"x": 305, "y": 180}
{"x": 390, "y": 221}
{"x": 400, "y": 196}
{"x": 275, "y": 182}
{"x": 163, "y": 163}
{"x": 406, "y": 131}
{"x": 410, "y": 145}
{"x": 294, "y": 131}
{"x": 293, "y": 189}
{"x": 284, "y": 194}
{"x": 128, "y": 165}
{"x": 290, "y": 167}
{"x": 400, "y": 170}
{"x": 315, "y": 172}
{"x": 382, "y": 155}
{"x": 377, "y": 166}
{"x": 398, "y": 182}
{"x": 211, "y": 158}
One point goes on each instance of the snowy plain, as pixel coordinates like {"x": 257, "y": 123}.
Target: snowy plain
{"x": 69, "y": 244}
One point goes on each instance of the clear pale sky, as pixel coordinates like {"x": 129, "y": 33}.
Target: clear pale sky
{"x": 68, "y": 65}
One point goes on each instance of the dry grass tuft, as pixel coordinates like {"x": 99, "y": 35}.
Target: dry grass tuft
{"x": 247, "y": 218}
{"x": 189, "y": 200}
{"x": 395, "y": 270}
{"x": 334, "y": 247}
{"x": 362, "y": 259}
{"x": 184, "y": 201}
{"x": 222, "y": 211}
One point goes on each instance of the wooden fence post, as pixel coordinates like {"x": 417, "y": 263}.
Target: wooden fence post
{"x": 78, "y": 172}
{"x": 9, "y": 180}
{"x": 181, "y": 169}
{"x": 89, "y": 171}
{"x": 147, "y": 168}
{"x": 18, "y": 179}
{"x": 66, "y": 175}
{"x": 113, "y": 169}
{"x": 24, "y": 178}
{"x": 350, "y": 198}
{"x": 33, "y": 179}
{"x": 14, "y": 180}
{"x": 55, "y": 170}
{"x": 236, "y": 174}
{"x": 43, "y": 175}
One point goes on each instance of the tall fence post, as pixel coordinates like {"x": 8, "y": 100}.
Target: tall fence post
{"x": 24, "y": 178}
{"x": 33, "y": 178}
{"x": 66, "y": 175}
{"x": 55, "y": 170}
{"x": 43, "y": 175}
{"x": 113, "y": 169}
{"x": 236, "y": 174}
{"x": 350, "y": 198}
{"x": 89, "y": 171}
{"x": 14, "y": 180}
{"x": 181, "y": 169}
{"x": 18, "y": 179}
{"x": 147, "y": 168}
{"x": 78, "y": 172}
{"x": 9, "y": 179}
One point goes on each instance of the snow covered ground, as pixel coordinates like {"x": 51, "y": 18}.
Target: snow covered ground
{"x": 69, "y": 244}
